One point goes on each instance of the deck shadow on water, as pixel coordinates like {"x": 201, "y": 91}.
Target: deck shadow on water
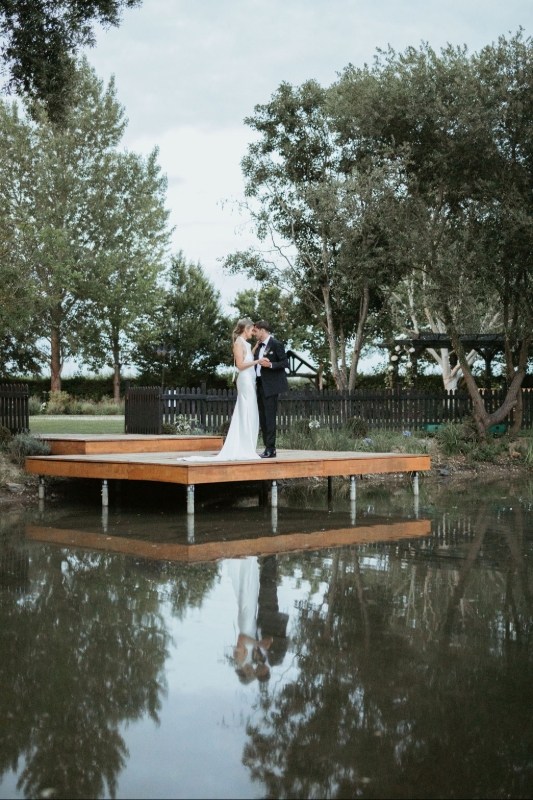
{"x": 385, "y": 667}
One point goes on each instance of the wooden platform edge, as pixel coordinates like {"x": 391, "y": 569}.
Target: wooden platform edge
{"x": 191, "y": 473}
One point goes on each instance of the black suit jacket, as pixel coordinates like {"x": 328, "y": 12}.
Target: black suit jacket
{"x": 274, "y": 378}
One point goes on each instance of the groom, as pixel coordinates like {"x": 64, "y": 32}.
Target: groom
{"x": 271, "y": 381}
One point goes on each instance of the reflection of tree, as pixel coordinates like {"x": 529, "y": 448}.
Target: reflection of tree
{"x": 392, "y": 699}
{"x": 83, "y": 653}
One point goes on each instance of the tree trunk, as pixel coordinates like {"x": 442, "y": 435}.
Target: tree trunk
{"x": 332, "y": 340}
{"x": 484, "y": 420}
{"x": 359, "y": 338}
{"x": 116, "y": 375}
{"x": 55, "y": 350}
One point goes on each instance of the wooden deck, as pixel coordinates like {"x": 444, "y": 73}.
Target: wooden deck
{"x": 74, "y": 444}
{"x": 168, "y": 468}
{"x": 215, "y": 550}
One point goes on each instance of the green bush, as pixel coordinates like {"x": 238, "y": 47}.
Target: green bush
{"x": 357, "y": 426}
{"x": 5, "y": 437}
{"x": 224, "y": 428}
{"x": 455, "y": 438}
{"x": 24, "y": 445}
{"x": 35, "y": 406}
{"x": 57, "y": 403}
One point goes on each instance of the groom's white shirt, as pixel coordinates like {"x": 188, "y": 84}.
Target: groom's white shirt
{"x": 262, "y": 348}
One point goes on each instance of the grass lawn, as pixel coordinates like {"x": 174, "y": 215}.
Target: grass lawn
{"x": 66, "y": 424}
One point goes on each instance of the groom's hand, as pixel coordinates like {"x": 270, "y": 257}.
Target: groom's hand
{"x": 265, "y": 362}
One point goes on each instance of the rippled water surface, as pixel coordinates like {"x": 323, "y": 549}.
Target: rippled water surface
{"x": 313, "y": 655}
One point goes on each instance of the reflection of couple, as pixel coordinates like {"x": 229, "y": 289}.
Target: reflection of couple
{"x": 261, "y": 379}
{"x": 262, "y": 628}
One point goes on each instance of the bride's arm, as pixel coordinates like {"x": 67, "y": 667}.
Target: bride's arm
{"x": 239, "y": 351}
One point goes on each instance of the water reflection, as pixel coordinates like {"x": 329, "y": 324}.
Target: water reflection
{"x": 393, "y": 658}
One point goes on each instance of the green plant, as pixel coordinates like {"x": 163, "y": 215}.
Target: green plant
{"x": 23, "y": 445}
{"x": 34, "y": 406}
{"x": 528, "y": 454}
{"x": 57, "y": 403}
{"x": 454, "y": 438}
{"x": 224, "y": 428}
{"x": 357, "y": 426}
{"x": 169, "y": 429}
{"x": 5, "y": 437}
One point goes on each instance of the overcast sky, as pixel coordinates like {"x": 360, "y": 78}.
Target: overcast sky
{"x": 189, "y": 71}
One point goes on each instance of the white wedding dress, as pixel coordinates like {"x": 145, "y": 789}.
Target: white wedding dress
{"x": 241, "y": 441}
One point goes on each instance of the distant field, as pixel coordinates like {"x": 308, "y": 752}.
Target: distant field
{"x": 66, "y": 424}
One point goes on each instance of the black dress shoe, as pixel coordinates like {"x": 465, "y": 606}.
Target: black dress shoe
{"x": 268, "y": 454}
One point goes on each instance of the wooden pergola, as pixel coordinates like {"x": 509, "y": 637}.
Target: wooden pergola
{"x": 488, "y": 345}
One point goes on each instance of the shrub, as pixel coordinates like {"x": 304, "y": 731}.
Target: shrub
{"x": 182, "y": 426}
{"x": 24, "y": 445}
{"x": 357, "y": 426}
{"x": 5, "y": 437}
{"x": 57, "y": 403}
{"x": 454, "y": 439}
{"x": 35, "y": 406}
{"x": 224, "y": 428}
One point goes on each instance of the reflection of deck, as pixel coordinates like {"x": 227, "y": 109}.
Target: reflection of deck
{"x": 167, "y": 468}
{"x": 73, "y": 444}
{"x": 212, "y": 551}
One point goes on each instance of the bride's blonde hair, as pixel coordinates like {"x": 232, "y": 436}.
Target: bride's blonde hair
{"x": 241, "y": 326}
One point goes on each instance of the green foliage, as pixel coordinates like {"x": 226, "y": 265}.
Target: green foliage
{"x": 357, "y": 426}
{"x": 190, "y": 321}
{"x": 40, "y": 40}
{"x": 23, "y": 445}
{"x": 5, "y": 437}
{"x": 182, "y": 425}
{"x": 306, "y": 435}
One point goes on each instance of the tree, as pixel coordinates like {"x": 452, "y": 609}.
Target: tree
{"x": 325, "y": 216}
{"x": 465, "y": 123}
{"x": 190, "y": 322}
{"x": 130, "y": 230}
{"x": 40, "y": 42}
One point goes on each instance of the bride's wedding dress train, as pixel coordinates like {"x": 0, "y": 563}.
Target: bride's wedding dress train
{"x": 241, "y": 441}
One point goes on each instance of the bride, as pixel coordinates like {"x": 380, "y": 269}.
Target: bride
{"x": 241, "y": 441}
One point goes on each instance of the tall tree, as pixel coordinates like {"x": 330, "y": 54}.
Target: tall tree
{"x": 466, "y": 124}
{"x": 190, "y": 322}
{"x": 40, "y": 40}
{"x": 322, "y": 216}
{"x": 130, "y": 232}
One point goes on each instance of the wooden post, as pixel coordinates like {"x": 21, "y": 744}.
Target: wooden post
{"x": 190, "y": 498}
{"x": 105, "y": 494}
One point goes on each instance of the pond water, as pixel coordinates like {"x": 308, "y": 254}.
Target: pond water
{"x": 395, "y": 663}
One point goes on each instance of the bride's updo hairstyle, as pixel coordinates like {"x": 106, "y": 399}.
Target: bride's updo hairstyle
{"x": 241, "y": 326}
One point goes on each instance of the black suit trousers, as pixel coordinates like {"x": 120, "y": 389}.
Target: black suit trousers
{"x": 268, "y": 409}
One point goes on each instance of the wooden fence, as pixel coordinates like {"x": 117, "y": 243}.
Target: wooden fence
{"x": 14, "y": 411}
{"x": 147, "y": 409}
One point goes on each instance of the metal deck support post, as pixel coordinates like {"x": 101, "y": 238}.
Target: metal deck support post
{"x": 105, "y": 494}
{"x": 330, "y": 489}
{"x": 415, "y": 484}
{"x": 105, "y": 518}
{"x": 416, "y": 506}
{"x": 190, "y": 498}
{"x": 274, "y": 495}
{"x": 274, "y": 519}
{"x": 41, "y": 487}
{"x": 190, "y": 527}
{"x": 353, "y": 488}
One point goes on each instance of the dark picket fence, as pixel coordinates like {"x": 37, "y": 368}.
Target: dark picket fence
{"x": 14, "y": 411}
{"x": 148, "y": 408}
